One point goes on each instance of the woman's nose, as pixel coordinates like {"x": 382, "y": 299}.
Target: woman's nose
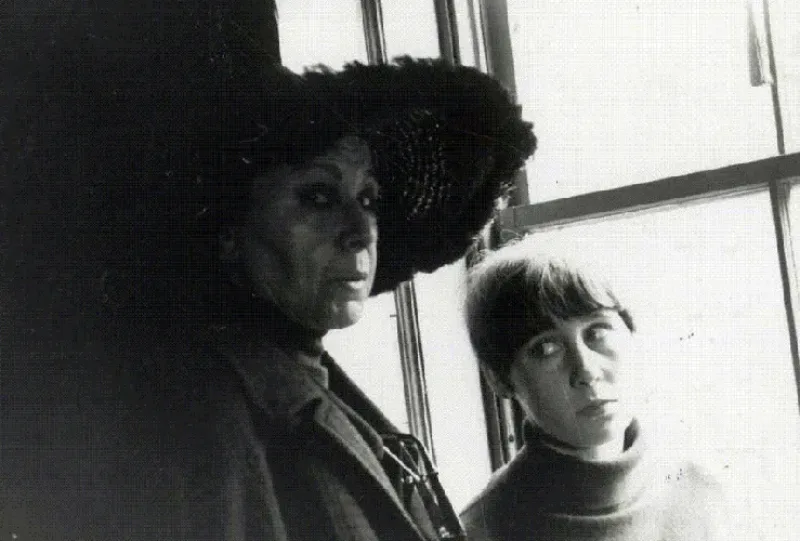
{"x": 360, "y": 228}
{"x": 588, "y": 366}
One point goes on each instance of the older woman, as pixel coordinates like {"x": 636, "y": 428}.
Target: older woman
{"x": 240, "y": 426}
{"x": 364, "y": 175}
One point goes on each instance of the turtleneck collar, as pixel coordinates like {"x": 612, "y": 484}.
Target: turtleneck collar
{"x": 580, "y": 486}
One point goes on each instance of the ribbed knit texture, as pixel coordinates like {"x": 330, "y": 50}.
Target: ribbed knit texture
{"x": 544, "y": 494}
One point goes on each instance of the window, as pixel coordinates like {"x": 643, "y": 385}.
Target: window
{"x": 625, "y": 91}
{"x": 715, "y": 379}
{"x": 785, "y": 19}
{"x": 453, "y": 382}
{"x": 410, "y": 28}
{"x": 320, "y": 32}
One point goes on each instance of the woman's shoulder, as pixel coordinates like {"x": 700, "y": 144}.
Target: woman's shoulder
{"x": 489, "y": 503}
{"x": 681, "y": 471}
{"x": 694, "y": 499}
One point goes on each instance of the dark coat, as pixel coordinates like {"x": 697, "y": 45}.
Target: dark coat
{"x": 203, "y": 451}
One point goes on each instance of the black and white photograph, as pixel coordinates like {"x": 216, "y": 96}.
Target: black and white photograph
{"x": 399, "y": 270}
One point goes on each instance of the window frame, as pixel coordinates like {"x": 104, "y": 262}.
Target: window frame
{"x": 777, "y": 173}
{"x": 408, "y": 332}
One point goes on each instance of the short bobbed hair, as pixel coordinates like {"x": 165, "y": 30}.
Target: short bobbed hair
{"x": 516, "y": 292}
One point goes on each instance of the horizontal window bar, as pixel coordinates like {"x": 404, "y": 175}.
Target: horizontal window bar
{"x": 637, "y": 197}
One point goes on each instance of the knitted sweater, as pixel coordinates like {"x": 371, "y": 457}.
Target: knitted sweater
{"x": 543, "y": 494}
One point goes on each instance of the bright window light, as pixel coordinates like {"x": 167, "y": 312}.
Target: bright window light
{"x": 626, "y": 91}
{"x": 320, "y": 32}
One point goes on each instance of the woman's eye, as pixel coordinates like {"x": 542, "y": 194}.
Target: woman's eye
{"x": 598, "y": 333}
{"x": 545, "y": 349}
{"x": 318, "y": 196}
{"x": 369, "y": 197}
{"x": 368, "y": 201}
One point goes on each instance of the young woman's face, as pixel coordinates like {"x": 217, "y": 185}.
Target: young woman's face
{"x": 310, "y": 238}
{"x": 567, "y": 378}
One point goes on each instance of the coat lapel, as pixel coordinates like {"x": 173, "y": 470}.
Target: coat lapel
{"x": 337, "y": 425}
{"x": 286, "y": 394}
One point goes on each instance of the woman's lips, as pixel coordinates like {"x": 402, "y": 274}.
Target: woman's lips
{"x": 355, "y": 282}
{"x": 355, "y": 285}
{"x": 599, "y": 408}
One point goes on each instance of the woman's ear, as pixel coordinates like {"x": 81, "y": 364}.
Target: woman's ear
{"x": 500, "y": 387}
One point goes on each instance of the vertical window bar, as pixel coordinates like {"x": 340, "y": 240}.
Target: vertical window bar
{"x": 448, "y": 30}
{"x": 779, "y": 193}
{"x": 415, "y": 384}
{"x": 773, "y": 72}
{"x": 408, "y": 335}
{"x": 478, "y": 48}
{"x": 500, "y": 63}
{"x": 372, "y": 17}
{"x": 503, "y": 420}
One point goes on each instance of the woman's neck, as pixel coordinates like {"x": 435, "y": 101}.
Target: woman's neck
{"x": 257, "y": 315}
{"x": 603, "y": 452}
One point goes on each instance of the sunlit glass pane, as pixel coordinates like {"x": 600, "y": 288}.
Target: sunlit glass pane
{"x": 410, "y": 28}
{"x": 320, "y": 32}
{"x": 785, "y": 20}
{"x": 625, "y": 91}
{"x": 369, "y": 353}
{"x": 469, "y": 35}
{"x": 457, "y": 418}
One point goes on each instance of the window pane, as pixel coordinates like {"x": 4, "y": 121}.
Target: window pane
{"x": 320, "y": 32}
{"x": 785, "y": 20}
{"x": 409, "y": 28}
{"x": 625, "y": 91}
{"x": 715, "y": 377}
{"x": 454, "y": 394}
{"x": 470, "y": 44}
{"x": 369, "y": 353}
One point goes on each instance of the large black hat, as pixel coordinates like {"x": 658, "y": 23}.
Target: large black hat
{"x": 446, "y": 143}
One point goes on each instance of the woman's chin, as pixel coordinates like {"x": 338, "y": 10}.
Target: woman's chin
{"x": 343, "y": 315}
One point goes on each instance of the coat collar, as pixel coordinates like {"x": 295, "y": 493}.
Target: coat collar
{"x": 289, "y": 396}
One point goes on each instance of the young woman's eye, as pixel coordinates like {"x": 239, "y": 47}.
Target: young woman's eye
{"x": 598, "y": 333}
{"x": 603, "y": 333}
{"x": 545, "y": 349}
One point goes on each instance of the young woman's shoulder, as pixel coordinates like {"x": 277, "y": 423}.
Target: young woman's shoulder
{"x": 696, "y": 504}
{"x": 481, "y": 516}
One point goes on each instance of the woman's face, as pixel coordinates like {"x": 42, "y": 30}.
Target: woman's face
{"x": 568, "y": 379}
{"x": 310, "y": 238}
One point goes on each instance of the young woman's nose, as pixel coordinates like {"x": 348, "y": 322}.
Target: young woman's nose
{"x": 587, "y": 365}
{"x": 359, "y": 228}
